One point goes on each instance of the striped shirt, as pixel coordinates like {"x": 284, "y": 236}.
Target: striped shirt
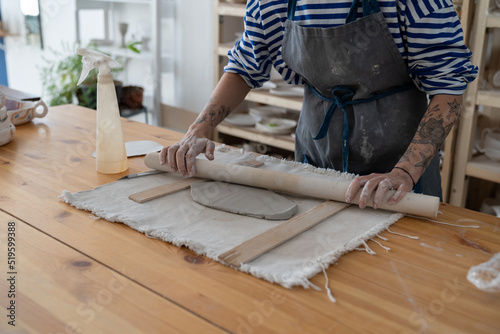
{"x": 427, "y": 33}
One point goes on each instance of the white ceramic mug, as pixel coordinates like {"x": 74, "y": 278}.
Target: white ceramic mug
{"x": 492, "y": 153}
{"x": 27, "y": 111}
{"x": 7, "y": 130}
{"x": 490, "y": 143}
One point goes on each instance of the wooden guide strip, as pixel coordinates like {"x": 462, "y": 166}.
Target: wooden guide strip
{"x": 264, "y": 242}
{"x": 163, "y": 190}
{"x": 167, "y": 189}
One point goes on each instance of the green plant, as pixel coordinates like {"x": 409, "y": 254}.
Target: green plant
{"x": 62, "y": 72}
{"x": 60, "y": 77}
{"x": 132, "y": 47}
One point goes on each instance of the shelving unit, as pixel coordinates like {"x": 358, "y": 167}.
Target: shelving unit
{"x": 150, "y": 67}
{"x": 465, "y": 165}
{"x": 259, "y": 96}
{"x": 4, "y": 33}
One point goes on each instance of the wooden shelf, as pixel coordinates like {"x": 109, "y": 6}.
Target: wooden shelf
{"x": 125, "y": 52}
{"x": 226, "y": 9}
{"x": 493, "y": 20}
{"x": 480, "y": 167}
{"x": 263, "y": 96}
{"x": 285, "y": 142}
{"x": 488, "y": 98}
{"x": 224, "y": 48}
{"x": 484, "y": 168}
{"x": 4, "y": 33}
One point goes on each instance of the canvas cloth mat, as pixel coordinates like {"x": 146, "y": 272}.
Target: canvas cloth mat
{"x": 177, "y": 219}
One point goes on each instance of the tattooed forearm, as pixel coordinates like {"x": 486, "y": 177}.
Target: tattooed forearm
{"x": 432, "y": 131}
{"x": 217, "y": 116}
{"x": 212, "y": 115}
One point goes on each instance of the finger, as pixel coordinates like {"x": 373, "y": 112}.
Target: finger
{"x": 367, "y": 192}
{"x": 180, "y": 159}
{"x": 172, "y": 151}
{"x": 191, "y": 161}
{"x": 353, "y": 189}
{"x": 163, "y": 155}
{"x": 399, "y": 194}
{"x": 209, "y": 150}
{"x": 382, "y": 188}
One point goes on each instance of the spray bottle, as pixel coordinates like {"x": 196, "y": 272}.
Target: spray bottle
{"x": 111, "y": 156}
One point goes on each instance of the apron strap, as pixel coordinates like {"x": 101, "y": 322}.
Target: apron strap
{"x": 342, "y": 97}
{"x": 292, "y": 4}
{"x": 369, "y": 7}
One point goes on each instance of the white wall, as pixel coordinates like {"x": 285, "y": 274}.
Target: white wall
{"x": 194, "y": 53}
{"x": 24, "y": 61}
{"x": 193, "y": 47}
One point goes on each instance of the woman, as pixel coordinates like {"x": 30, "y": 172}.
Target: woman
{"x": 368, "y": 68}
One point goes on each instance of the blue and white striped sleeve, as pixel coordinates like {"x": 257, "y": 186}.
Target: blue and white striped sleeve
{"x": 438, "y": 60}
{"x": 250, "y": 55}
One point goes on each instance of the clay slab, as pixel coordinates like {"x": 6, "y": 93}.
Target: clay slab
{"x": 243, "y": 200}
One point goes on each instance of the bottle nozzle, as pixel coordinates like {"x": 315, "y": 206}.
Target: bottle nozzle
{"x": 94, "y": 59}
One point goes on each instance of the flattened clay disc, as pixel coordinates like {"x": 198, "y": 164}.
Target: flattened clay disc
{"x": 243, "y": 200}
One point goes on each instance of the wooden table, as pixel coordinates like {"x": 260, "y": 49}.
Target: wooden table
{"x": 75, "y": 274}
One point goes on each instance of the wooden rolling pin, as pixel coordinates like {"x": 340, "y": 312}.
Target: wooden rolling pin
{"x": 306, "y": 185}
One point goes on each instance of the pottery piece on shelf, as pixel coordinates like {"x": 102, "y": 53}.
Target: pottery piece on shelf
{"x": 490, "y": 143}
{"x": 242, "y": 119}
{"x": 288, "y": 91}
{"x": 131, "y": 97}
{"x": 276, "y": 126}
{"x": 262, "y": 112}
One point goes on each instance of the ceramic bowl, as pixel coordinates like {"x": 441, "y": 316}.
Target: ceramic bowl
{"x": 242, "y": 119}
{"x": 492, "y": 153}
{"x": 277, "y": 126}
{"x": 2, "y": 100}
{"x": 262, "y": 112}
{"x": 7, "y": 134}
{"x": 490, "y": 139}
{"x": 27, "y": 111}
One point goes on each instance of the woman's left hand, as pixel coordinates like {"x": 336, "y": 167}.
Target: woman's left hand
{"x": 378, "y": 185}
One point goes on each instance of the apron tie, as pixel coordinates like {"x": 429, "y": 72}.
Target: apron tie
{"x": 342, "y": 97}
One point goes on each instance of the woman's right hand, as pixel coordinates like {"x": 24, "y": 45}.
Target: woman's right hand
{"x": 181, "y": 156}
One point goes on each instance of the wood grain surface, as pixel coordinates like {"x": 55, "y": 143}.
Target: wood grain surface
{"x": 62, "y": 290}
{"x": 417, "y": 286}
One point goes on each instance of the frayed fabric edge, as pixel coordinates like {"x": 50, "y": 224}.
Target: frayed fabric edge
{"x": 317, "y": 265}
{"x": 300, "y": 279}
{"x": 332, "y": 257}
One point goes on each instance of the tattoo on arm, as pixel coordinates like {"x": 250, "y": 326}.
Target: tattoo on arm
{"x": 432, "y": 131}
{"x": 213, "y": 116}
{"x": 454, "y": 109}
{"x": 202, "y": 118}
{"x": 426, "y": 160}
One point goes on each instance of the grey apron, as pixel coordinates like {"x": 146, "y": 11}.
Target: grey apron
{"x": 361, "y": 109}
